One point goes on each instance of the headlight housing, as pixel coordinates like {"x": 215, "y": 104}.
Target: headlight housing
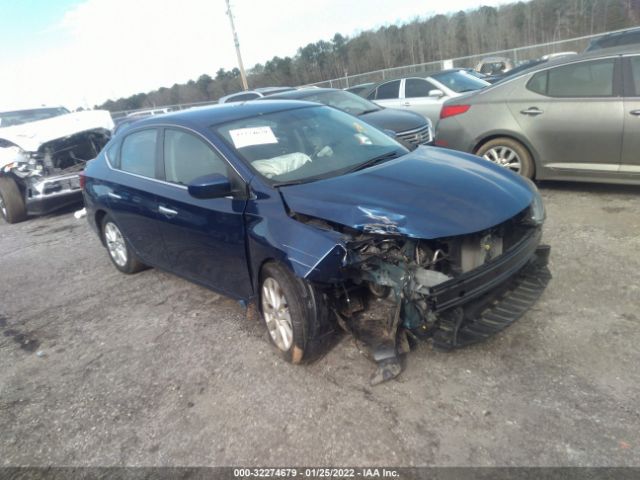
{"x": 537, "y": 213}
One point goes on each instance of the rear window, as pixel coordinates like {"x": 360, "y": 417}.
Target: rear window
{"x": 460, "y": 81}
{"x": 138, "y": 154}
{"x": 242, "y": 97}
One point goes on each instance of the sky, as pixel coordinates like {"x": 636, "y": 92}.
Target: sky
{"x": 84, "y": 52}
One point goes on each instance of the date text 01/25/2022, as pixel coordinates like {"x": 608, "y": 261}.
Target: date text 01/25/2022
{"x": 316, "y": 472}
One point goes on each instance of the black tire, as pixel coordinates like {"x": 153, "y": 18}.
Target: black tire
{"x": 527, "y": 168}
{"x": 131, "y": 263}
{"x": 12, "y": 207}
{"x": 312, "y": 323}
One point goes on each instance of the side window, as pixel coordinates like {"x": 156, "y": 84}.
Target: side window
{"x": 584, "y": 79}
{"x": 635, "y": 74}
{"x": 416, "y": 87}
{"x": 138, "y": 154}
{"x": 113, "y": 151}
{"x": 538, "y": 83}
{"x": 187, "y": 157}
{"x": 388, "y": 90}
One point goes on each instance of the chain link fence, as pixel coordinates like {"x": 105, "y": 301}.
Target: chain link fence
{"x": 516, "y": 56}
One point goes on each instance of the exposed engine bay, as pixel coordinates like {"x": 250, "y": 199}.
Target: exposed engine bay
{"x": 453, "y": 291}
{"x": 41, "y": 158}
{"x": 59, "y": 156}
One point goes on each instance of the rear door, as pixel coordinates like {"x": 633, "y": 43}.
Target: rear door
{"x": 631, "y": 141}
{"x": 204, "y": 238}
{"x": 416, "y": 98}
{"x": 572, "y": 115}
{"x": 387, "y": 94}
{"x": 131, "y": 193}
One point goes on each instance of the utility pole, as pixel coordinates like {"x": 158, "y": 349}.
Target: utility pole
{"x": 243, "y": 76}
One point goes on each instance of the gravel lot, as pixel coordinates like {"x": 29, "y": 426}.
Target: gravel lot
{"x": 98, "y": 368}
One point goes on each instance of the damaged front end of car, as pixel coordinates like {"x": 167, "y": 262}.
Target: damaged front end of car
{"x": 48, "y": 176}
{"x": 453, "y": 291}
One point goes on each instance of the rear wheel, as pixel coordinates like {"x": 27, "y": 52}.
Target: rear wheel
{"x": 510, "y": 154}
{"x": 120, "y": 251}
{"x": 12, "y": 207}
{"x": 295, "y": 314}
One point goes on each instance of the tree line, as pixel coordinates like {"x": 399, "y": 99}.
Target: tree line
{"x": 421, "y": 40}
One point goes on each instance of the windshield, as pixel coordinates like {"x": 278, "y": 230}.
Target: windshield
{"x": 306, "y": 144}
{"x": 347, "y": 101}
{"x": 460, "y": 82}
{"x": 18, "y": 117}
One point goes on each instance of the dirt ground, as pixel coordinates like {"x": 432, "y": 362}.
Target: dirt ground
{"x": 99, "y": 368}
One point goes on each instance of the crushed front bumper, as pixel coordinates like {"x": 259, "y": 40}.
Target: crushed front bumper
{"x": 514, "y": 289}
{"x": 47, "y": 194}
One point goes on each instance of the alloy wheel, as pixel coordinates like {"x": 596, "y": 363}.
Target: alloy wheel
{"x": 115, "y": 244}
{"x": 505, "y": 157}
{"x": 275, "y": 309}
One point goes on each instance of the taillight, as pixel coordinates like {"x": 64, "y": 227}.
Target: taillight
{"x": 451, "y": 110}
{"x": 83, "y": 180}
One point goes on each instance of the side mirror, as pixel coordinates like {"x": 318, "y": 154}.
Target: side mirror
{"x": 210, "y": 186}
{"x": 436, "y": 93}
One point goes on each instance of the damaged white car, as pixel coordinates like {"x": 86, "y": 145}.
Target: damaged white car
{"x": 42, "y": 150}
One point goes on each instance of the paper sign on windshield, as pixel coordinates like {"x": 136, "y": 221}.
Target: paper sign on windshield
{"x": 245, "y": 137}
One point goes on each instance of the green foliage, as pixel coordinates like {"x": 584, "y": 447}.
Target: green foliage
{"x": 421, "y": 40}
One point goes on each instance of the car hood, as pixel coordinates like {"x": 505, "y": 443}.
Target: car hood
{"x": 429, "y": 193}
{"x": 30, "y": 136}
{"x": 394, "y": 119}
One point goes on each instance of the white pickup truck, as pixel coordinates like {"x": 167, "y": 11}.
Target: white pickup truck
{"x": 42, "y": 151}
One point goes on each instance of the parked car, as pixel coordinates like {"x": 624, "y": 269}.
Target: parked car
{"x": 514, "y": 71}
{"x": 525, "y": 66}
{"x": 41, "y": 152}
{"x": 322, "y": 220}
{"x": 425, "y": 95}
{"x": 574, "y": 118}
{"x": 124, "y": 122}
{"x": 494, "y": 65}
{"x": 410, "y": 127}
{"x": 616, "y": 39}
{"x": 360, "y": 89}
{"x": 253, "y": 94}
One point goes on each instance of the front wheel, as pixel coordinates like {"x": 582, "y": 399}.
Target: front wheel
{"x": 295, "y": 314}
{"x": 508, "y": 153}
{"x": 120, "y": 251}
{"x": 12, "y": 206}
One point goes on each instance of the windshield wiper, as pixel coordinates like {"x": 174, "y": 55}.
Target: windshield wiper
{"x": 371, "y": 110}
{"x": 375, "y": 160}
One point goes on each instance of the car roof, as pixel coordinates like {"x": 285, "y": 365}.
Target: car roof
{"x": 204, "y": 117}
{"x": 564, "y": 60}
{"x": 603, "y": 52}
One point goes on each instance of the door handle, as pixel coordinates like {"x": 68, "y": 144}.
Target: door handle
{"x": 407, "y": 104}
{"x": 115, "y": 195}
{"x": 531, "y": 111}
{"x": 635, "y": 112}
{"x": 167, "y": 211}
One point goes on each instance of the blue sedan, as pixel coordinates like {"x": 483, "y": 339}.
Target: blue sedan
{"x": 325, "y": 223}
